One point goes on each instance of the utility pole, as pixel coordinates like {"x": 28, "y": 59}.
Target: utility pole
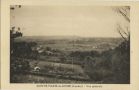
{"x": 73, "y": 45}
{"x": 72, "y": 57}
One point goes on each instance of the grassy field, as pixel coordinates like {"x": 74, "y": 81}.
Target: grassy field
{"x": 42, "y": 64}
{"x": 65, "y": 70}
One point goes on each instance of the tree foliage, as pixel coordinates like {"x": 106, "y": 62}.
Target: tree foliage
{"x": 125, "y": 12}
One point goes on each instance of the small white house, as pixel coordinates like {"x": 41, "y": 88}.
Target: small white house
{"x": 49, "y": 53}
{"x": 37, "y": 69}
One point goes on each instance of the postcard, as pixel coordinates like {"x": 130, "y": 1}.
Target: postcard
{"x": 69, "y": 44}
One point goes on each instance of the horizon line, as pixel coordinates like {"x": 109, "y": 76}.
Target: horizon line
{"x": 69, "y": 36}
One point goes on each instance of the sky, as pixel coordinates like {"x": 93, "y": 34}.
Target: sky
{"x": 85, "y": 21}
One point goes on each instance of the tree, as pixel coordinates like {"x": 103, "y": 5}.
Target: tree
{"x": 121, "y": 54}
{"x": 14, "y": 34}
{"x": 125, "y": 12}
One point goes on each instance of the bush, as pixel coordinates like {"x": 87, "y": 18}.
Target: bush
{"x": 19, "y": 65}
{"x": 99, "y": 74}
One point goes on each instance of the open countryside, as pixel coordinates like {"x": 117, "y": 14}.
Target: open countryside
{"x": 66, "y": 59}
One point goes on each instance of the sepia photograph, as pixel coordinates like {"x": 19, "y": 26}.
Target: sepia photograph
{"x": 70, "y": 44}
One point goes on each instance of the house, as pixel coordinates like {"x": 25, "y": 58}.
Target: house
{"x": 36, "y": 69}
{"x": 40, "y": 51}
{"x": 49, "y": 53}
